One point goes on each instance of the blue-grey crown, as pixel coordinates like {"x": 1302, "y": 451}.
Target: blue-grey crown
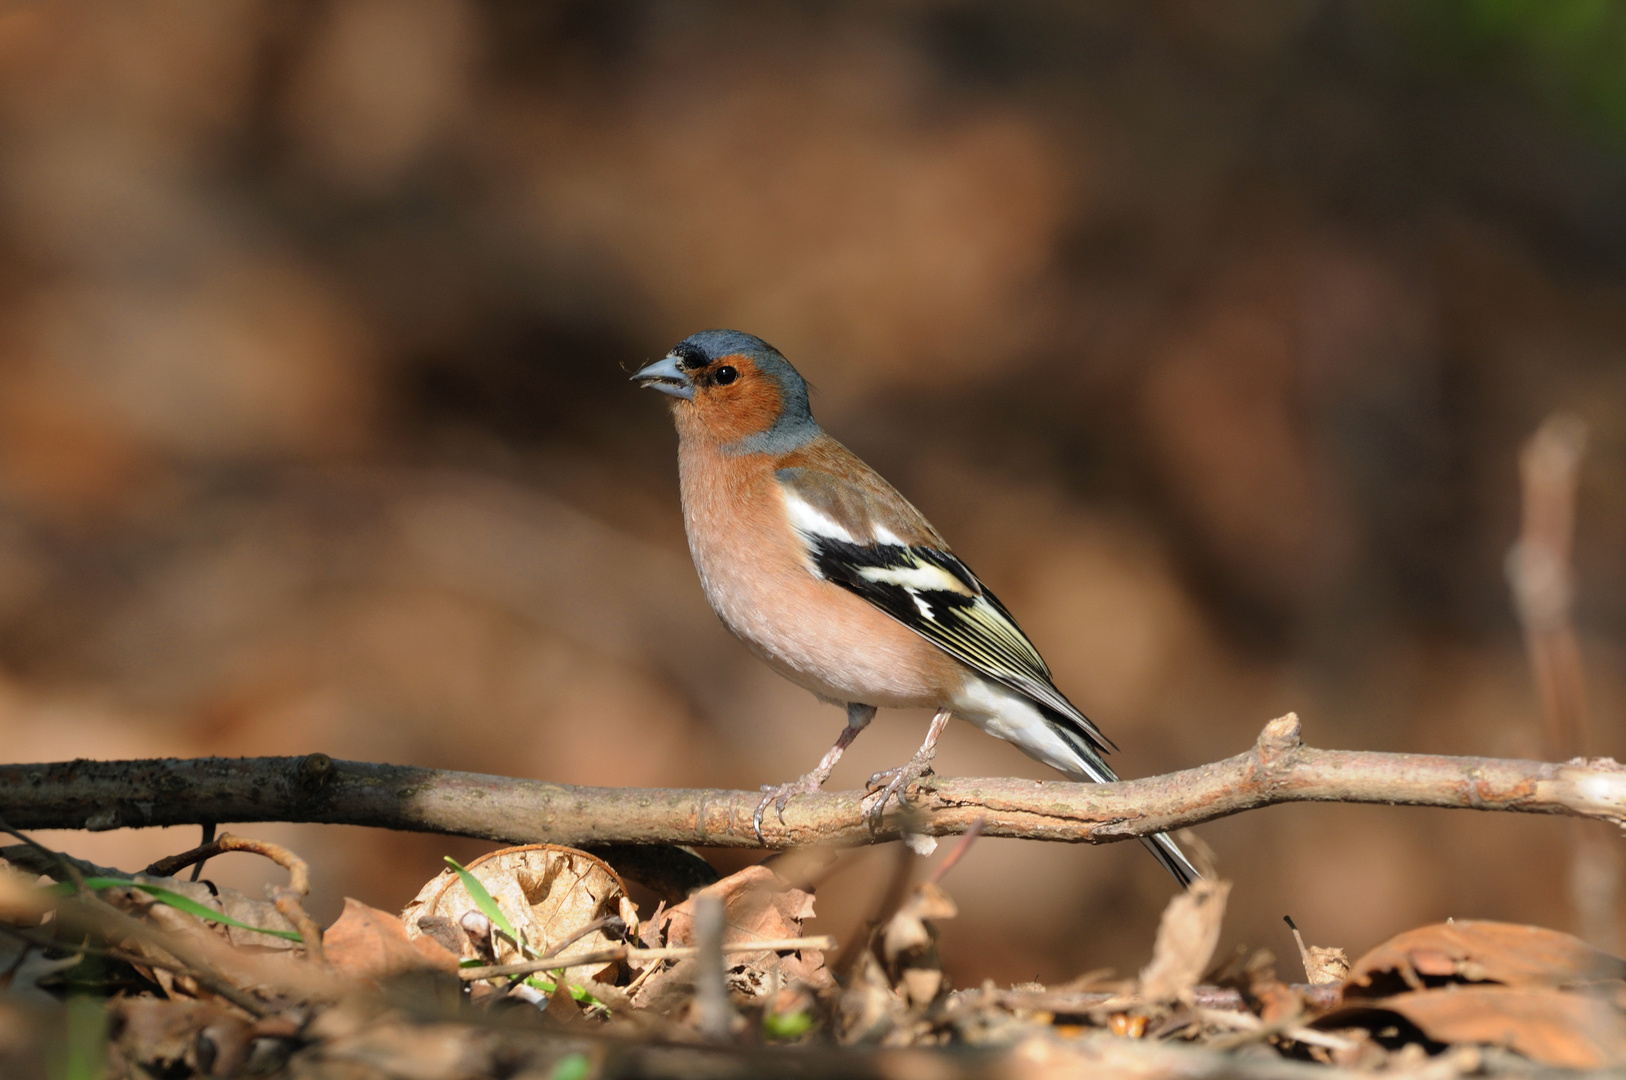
{"x": 795, "y": 426}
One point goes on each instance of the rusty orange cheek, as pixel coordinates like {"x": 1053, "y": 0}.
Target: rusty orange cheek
{"x": 748, "y": 406}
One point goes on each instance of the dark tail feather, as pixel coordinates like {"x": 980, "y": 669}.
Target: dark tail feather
{"x": 1167, "y": 852}
{"x": 1092, "y": 767}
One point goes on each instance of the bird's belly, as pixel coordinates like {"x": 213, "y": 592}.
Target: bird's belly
{"x": 756, "y": 575}
{"x": 829, "y": 641}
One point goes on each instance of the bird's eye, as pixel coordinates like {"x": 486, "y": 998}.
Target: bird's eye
{"x": 726, "y": 375}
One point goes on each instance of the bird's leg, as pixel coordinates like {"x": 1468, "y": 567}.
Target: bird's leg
{"x": 858, "y": 718}
{"x": 893, "y": 782}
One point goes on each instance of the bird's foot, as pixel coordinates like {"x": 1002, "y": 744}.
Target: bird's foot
{"x": 781, "y": 795}
{"x": 888, "y": 784}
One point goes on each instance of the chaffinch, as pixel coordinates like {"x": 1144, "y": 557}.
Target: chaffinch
{"x": 829, "y": 575}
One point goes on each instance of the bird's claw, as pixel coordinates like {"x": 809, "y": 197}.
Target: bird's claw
{"x": 779, "y": 795}
{"x": 888, "y": 784}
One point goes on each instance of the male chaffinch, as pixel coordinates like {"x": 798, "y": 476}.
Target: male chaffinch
{"x": 826, "y": 573}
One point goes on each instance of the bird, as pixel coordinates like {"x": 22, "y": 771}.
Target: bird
{"x": 838, "y": 583}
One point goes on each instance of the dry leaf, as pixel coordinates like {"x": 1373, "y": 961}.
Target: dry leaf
{"x": 280, "y": 970}
{"x": 21, "y": 902}
{"x": 907, "y": 930}
{"x": 444, "y": 932}
{"x": 179, "y": 1038}
{"x": 1475, "y": 951}
{"x": 1186, "y": 939}
{"x": 15, "y": 906}
{"x": 1324, "y": 967}
{"x": 548, "y": 893}
{"x": 758, "y": 905}
{"x": 909, "y": 944}
{"x": 868, "y": 1007}
{"x": 234, "y": 905}
{"x": 1555, "y": 1027}
{"x": 1265, "y": 993}
{"x": 366, "y": 943}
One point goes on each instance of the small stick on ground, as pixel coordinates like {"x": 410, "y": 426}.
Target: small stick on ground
{"x": 69, "y": 870}
{"x": 555, "y": 950}
{"x": 115, "y": 925}
{"x": 1304, "y": 950}
{"x": 713, "y": 1014}
{"x": 822, "y": 942}
{"x": 208, "y": 838}
{"x": 287, "y": 898}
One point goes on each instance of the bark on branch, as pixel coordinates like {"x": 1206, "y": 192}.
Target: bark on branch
{"x": 99, "y": 795}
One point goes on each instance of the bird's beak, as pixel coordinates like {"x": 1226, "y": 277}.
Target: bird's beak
{"x": 666, "y": 376}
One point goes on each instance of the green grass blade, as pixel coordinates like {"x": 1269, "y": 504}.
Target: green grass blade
{"x": 574, "y": 991}
{"x": 85, "y": 1056}
{"x": 483, "y": 900}
{"x": 174, "y": 900}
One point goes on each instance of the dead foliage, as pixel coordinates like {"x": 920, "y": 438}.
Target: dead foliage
{"x": 533, "y": 961}
{"x": 1544, "y": 995}
{"x": 549, "y": 894}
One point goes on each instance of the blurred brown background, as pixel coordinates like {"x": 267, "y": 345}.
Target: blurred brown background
{"x": 1208, "y": 335}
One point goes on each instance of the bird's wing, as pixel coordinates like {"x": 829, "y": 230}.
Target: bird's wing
{"x": 860, "y": 534}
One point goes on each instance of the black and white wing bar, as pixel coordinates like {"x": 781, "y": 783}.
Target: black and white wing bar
{"x": 936, "y": 595}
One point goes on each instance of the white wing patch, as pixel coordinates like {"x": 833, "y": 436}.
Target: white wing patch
{"x": 809, "y": 519}
{"x": 932, "y": 593}
{"x": 918, "y": 577}
{"x": 884, "y": 535}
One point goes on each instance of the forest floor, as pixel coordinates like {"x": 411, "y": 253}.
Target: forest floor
{"x": 534, "y": 962}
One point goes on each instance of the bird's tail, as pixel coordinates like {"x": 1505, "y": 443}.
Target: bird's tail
{"x": 1089, "y": 765}
{"x": 1167, "y": 852}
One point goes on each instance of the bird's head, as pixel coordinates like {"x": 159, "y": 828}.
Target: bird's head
{"x": 734, "y": 391}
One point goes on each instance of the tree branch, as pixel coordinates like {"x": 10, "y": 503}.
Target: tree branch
{"x": 101, "y": 795}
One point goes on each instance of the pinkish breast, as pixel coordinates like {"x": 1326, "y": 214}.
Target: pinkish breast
{"x": 755, "y": 573}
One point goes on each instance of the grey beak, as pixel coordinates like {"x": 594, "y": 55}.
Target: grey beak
{"x": 666, "y": 376}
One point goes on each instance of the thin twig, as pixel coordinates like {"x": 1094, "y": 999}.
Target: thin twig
{"x": 596, "y": 924}
{"x": 822, "y": 942}
{"x": 286, "y": 898}
{"x": 62, "y": 861}
{"x": 1540, "y": 570}
{"x": 940, "y": 871}
{"x": 1543, "y": 581}
{"x": 49, "y": 941}
{"x": 1279, "y": 768}
{"x": 1251, "y": 1029}
{"x": 114, "y": 924}
{"x": 1304, "y": 950}
{"x": 556, "y": 949}
{"x": 208, "y": 838}
{"x": 298, "y": 870}
{"x": 714, "y": 1014}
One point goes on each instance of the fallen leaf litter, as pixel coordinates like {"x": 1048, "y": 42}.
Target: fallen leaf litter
{"x": 545, "y": 967}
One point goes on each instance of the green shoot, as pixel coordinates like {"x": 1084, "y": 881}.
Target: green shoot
{"x": 172, "y": 899}
{"x": 488, "y": 906}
